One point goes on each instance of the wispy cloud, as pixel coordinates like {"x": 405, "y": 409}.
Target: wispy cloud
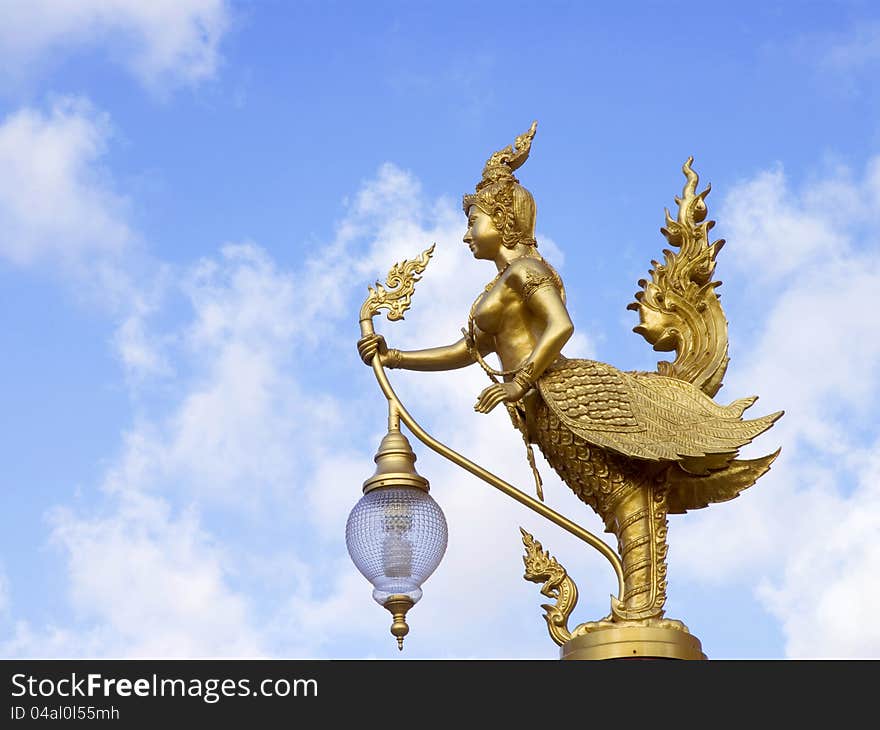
{"x": 152, "y": 583}
{"x": 855, "y": 50}
{"x": 57, "y": 204}
{"x": 844, "y": 60}
{"x": 164, "y": 43}
{"x": 61, "y": 211}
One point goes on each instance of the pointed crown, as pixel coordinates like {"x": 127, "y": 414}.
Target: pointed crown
{"x": 499, "y": 188}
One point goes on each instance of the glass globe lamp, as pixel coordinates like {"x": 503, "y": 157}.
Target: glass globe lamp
{"x": 396, "y": 534}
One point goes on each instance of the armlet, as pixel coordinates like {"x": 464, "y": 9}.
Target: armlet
{"x": 533, "y": 282}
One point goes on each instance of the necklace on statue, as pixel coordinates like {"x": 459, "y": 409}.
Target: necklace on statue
{"x": 470, "y": 335}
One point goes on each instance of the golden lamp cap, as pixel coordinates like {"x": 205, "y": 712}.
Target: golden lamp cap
{"x": 395, "y": 465}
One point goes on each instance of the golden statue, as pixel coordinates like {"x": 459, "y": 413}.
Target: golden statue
{"x": 634, "y": 446}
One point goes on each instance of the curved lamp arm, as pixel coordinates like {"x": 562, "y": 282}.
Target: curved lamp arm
{"x": 397, "y": 409}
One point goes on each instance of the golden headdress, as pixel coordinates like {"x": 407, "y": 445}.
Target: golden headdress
{"x": 498, "y": 188}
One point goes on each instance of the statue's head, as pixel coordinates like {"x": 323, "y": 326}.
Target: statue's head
{"x": 499, "y": 194}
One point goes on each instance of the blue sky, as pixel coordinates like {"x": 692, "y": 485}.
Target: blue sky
{"x": 194, "y": 196}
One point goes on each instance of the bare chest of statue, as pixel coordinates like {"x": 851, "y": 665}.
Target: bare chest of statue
{"x": 494, "y": 307}
{"x": 489, "y": 312}
{"x": 500, "y": 314}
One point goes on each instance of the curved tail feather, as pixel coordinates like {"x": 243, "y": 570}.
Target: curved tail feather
{"x": 689, "y": 491}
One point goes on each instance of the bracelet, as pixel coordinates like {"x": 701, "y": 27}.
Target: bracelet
{"x": 524, "y": 377}
{"x": 392, "y": 358}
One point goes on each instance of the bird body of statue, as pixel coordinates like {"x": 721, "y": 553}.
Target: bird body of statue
{"x": 634, "y": 446}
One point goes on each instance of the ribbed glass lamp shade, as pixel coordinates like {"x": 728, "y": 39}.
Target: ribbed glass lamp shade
{"x": 396, "y": 537}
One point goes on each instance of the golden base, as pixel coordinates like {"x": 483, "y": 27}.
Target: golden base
{"x": 633, "y": 642}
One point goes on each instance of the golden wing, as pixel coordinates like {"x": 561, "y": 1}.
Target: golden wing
{"x": 648, "y": 416}
{"x": 688, "y": 491}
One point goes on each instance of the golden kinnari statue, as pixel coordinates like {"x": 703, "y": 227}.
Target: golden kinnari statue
{"x": 634, "y": 446}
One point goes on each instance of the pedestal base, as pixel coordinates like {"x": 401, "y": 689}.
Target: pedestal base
{"x": 632, "y": 641}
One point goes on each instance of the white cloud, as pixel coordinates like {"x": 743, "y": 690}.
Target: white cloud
{"x": 56, "y": 204}
{"x": 246, "y": 422}
{"x": 163, "y": 42}
{"x": 147, "y": 577}
{"x": 139, "y": 355}
{"x": 802, "y": 531}
{"x": 153, "y": 584}
{"x": 49, "y": 642}
{"x": 773, "y": 233}
{"x": 854, "y": 50}
{"x": 60, "y": 211}
{"x": 239, "y": 420}
{"x": 828, "y": 588}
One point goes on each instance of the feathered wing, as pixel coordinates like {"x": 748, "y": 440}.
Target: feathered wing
{"x": 689, "y": 492}
{"x": 646, "y": 415}
{"x": 679, "y": 310}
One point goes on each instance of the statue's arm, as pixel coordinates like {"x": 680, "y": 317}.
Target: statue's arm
{"x": 546, "y": 306}
{"x": 448, "y": 357}
{"x": 545, "y": 314}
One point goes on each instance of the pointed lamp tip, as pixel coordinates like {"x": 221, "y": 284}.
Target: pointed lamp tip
{"x": 398, "y": 605}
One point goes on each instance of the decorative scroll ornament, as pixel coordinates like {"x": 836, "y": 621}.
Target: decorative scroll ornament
{"x": 541, "y": 567}
{"x": 401, "y": 284}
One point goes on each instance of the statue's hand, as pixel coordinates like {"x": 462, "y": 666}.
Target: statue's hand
{"x": 371, "y": 344}
{"x": 497, "y": 393}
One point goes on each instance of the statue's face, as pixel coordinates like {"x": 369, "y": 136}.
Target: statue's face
{"x": 482, "y": 237}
